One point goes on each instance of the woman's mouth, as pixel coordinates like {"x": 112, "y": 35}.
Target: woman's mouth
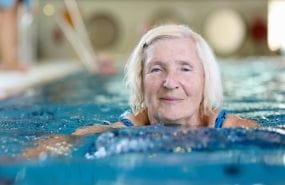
{"x": 170, "y": 99}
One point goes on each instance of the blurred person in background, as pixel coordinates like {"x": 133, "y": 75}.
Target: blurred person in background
{"x": 9, "y": 35}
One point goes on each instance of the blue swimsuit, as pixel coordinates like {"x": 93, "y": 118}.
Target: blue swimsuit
{"x": 218, "y": 122}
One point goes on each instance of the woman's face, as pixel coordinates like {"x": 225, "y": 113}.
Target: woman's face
{"x": 173, "y": 81}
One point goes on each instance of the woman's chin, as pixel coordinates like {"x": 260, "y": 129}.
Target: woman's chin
{"x": 169, "y": 118}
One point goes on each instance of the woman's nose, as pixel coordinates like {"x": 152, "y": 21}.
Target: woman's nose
{"x": 170, "y": 82}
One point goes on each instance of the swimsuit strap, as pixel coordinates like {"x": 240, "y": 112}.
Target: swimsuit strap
{"x": 126, "y": 121}
{"x": 220, "y": 119}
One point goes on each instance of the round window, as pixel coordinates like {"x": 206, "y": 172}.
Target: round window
{"x": 103, "y": 31}
{"x": 225, "y": 31}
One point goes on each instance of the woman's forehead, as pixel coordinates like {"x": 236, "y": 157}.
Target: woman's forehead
{"x": 183, "y": 49}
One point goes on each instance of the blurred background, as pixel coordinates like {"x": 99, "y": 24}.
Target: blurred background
{"x": 233, "y": 28}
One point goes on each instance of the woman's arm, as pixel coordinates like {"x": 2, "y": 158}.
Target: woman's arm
{"x": 53, "y": 145}
{"x": 139, "y": 119}
{"x": 97, "y": 129}
{"x": 62, "y": 144}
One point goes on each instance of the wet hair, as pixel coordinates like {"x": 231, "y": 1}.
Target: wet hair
{"x": 213, "y": 91}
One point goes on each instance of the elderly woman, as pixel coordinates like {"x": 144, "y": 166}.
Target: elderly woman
{"x": 174, "y": 79}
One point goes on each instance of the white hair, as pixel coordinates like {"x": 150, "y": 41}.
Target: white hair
{"x": 213, "y": 91}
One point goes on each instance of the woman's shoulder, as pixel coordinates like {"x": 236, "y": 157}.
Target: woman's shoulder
{"x": 138, "y": 119}
{"x": 235, "y": 121}
{"x": 226, "y": 120}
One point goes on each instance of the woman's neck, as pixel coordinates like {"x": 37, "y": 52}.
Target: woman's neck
{"x": 193, "y": 121}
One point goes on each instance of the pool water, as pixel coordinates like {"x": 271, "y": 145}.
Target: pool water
{"x": 254, "y": 88}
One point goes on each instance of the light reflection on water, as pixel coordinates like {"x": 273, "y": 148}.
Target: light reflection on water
{"x": 258, "y": 79}
{"x": 255, "y": 88}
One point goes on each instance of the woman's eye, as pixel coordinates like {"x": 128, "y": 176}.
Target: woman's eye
{"x": 186, "y": 69}
{"x": 153, "y": 70}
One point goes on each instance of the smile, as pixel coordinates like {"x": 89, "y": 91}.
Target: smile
{"x": 170, "y": 99}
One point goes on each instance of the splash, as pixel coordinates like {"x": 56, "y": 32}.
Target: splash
{"x": 165, "y": 139}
